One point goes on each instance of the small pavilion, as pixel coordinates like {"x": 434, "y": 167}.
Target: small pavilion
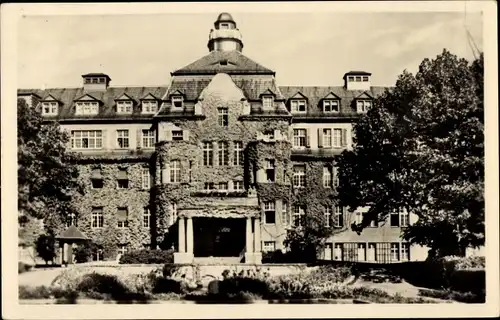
{"x": 69, "y": 237}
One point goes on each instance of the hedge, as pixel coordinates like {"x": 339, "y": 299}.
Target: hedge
{"x": 147, "y": 256}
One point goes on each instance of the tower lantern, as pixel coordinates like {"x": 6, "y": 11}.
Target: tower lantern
{"x": 225, "y": 36}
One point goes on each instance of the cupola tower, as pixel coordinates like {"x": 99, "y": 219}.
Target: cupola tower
{"x": 225, "y": 36}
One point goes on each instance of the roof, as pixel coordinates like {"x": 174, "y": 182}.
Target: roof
{"x": 96, "y": 74}
{"x": 107, "y": 110}
{"x": 225, "y": 17}
{"x": 315, "y": 94}
{"x": 72, "y": 233}
{"x": 362, "y": 73}
{"x": 237, "y": 63}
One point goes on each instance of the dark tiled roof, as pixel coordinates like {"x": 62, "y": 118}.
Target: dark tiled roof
{"x": 237, "y": 63}
{"x": 315, "y": 95}
{"x": 72, "y": 233}
{"x": 360, "y": 73}
{"x": 107, "y": 110}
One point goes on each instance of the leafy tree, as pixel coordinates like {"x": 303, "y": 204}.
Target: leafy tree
{"x": 46, "y": 178}
{"x": 421, "y": 148}
{"x": 45, "y": 247}
{"x": 84, "y": 251}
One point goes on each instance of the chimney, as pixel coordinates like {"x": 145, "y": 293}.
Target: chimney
{"x": 95, "y": 82}
{"x": 357, "y": 80}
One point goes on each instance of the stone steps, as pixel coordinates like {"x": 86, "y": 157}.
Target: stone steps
{"x": 217, "y": 260}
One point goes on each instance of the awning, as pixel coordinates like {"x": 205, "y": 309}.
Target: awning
{"x": 96, "y": 174}
{"x": 122, "y": 175}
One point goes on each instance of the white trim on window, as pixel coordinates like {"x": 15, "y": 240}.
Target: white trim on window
{"x": 298, "y": 106}
{"x": 331, "y": 106}
{"x": 124, "y": 107}
{"x": 86, "y": 108}
{"x": 149, "y": 106}
{"x": 50, "y": 108}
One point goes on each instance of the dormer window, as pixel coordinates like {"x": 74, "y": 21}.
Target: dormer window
{"x": 87, "y": 108}
{"x": 298, "y": 106}
{"x": 177, "y": 102}
{"x": 362, "y": 106}
{"x": 49, "y": 108}
{"x": 267, "y": 102}
{"x": 124, "y": 107}
{"x": 149, "y": 106}
{"x": 224, "y": 25}
{"x": 330, "y": 106}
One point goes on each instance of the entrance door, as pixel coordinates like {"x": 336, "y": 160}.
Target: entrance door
{"x": 218, "y": 237}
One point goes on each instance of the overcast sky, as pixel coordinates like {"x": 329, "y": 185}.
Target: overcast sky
{"x": 303, "y": 48}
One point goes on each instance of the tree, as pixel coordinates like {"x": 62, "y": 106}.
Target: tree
{"x": 421, "y": 148}
{"x": 46, "y": 178}
{"x": 45, "y": 247}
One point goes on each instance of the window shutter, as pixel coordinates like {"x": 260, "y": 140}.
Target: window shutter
{"x": 320, "y": 138}
{"x": 138, "y": 137}
{"x": 168, "y": 134}
{"x": 334, "y": 176}
{"x": 185, "y": 135}
{"x": 122, "y": 214}
{"x": 68, "y": 144}
{"x": 167, "y": 173}
{"x": 341, "y": 219}
{"x": 308, "y": 138}
{"x": 344, "y": 137}
{"x": 104, "y": 139}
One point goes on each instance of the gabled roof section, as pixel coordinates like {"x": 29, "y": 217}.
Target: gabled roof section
{"x": 233, "y": 62}
{"x": 298, "y": 95}
{"x": 331, "y": 96}
{"x": 49, "y": 98}
{"x": 124, "y": 97}
{"x": 149, "y": 96}
{"x": 72, "y": 233}
{"x": 177, "y": 93}
{"x": 364, "y": 95}
{"x": 87, "y": 97}
{"x": 268, "y": 92}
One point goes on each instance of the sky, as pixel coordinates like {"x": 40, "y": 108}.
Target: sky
{"x": 302, "y": 48}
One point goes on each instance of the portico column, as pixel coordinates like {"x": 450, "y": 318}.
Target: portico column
{"x": 189, "y": 235}
{"x": 257, "y": 234}
{"x": 249, "y": 236}
{"x": 182, "y": 236}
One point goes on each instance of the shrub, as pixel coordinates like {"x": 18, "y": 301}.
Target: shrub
{"x": 276, "y": 256}
{"x": 45, "y": 247}
{"x": 147, "y": 256}
{"x": 23, "y": 267}
{"x": 467, "y": 297}
{"x": 235, "y": 285}
{"x": 84, "y": 252}
{"x": 328, "y": 273}
{"x": 41, "y": 292}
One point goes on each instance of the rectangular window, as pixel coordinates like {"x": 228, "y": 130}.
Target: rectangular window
{"x": 270, "y": 169}
{"x": 145, "y": 178}
{"x": 338, "y": 218}
{"x": 146, "y": 218}
{"x": 395, "y": 251}
{"x": 285, "y": 217}
{"x": 175, "y": 171}
{"x": 267, "y": 102}
{"x": 330, "y": 106}
{"x": 365, "y": 78}
{"x": 299, "y": 215}
{"x": 209, "y": 186}
{"x": 190, "y": 171}
{"x": 327, "y": 177}
{"x": 177, "y": 102}
{"x": 269, "y": 134}
{"x": 148, "y": 138}
{"x": 358, "y": 218}
{"x": 394, "y": 219}
{"x": 122, "y": 249}
{"x": 208, "y": 154}
{"x": 337, "y": 138}
{"x": 124, "y": 107}
{"x": 222, "y": 117}
{"x": 88, "y": 139}
{"x": 122, "y": 180}
{"x": 328, "y": 216}
{"x": 49, "y": 108}
{"x": 149, "y": 106}
{"x": 327, "y": 138}
{"x": 269, "y": 246}
{"x": 238, "y": 153}
{"x": 97, "y": 218}
{"x": 177, "y": 135}
{"x": 299, "y": 176}
{"x": 363, "y": 106}
{"x": 87, "y": 108}
{"x": 222, "y": 186}
{"x": 122, "y": 139}
{"x": 298, "y": 106}
{"x": 122, "y": 217}
{"x": 350, "y": 79}
{"x": 405, "y": 251}
{"x": 238, "y": 186}
{"x": 97, "y": 183}
{"x": 299, "y": 137}
{"x": 223, "y": 153}
{"x": 71, "y": 220}
{"x": 269, "y": 212}
{"x": 358, "y": 79}
{"x": 404, "y": 218}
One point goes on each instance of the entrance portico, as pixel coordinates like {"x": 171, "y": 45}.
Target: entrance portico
{"x": 221, "y": 231}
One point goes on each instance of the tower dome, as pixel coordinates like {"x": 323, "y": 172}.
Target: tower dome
{"x": 225, "y": 36}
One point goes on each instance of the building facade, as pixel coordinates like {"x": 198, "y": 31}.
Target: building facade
{"x": 219, "y": 163}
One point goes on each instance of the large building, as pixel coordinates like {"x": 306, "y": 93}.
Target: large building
{"x": 220, "y": 163}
